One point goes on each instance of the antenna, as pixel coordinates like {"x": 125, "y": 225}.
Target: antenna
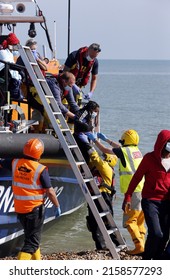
{"x": 69, "y": 8}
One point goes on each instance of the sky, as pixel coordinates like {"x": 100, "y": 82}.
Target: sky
{"x": 125, "y": 29}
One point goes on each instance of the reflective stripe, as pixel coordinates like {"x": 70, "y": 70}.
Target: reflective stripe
{"x": 36, "y": 197}
{"x": 26, "y": 186}
{"x": 126, "y": 173}
{"x": 131, "y": 162}
{"x": 133, "y": 158}
{"x": 15, "y": 161}
{"x": 37, "y": 172}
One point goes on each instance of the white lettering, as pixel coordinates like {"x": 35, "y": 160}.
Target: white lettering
{"x": 6, "y": 199}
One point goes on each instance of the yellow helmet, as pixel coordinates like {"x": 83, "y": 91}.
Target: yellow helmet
{"x": 130, "y": 137}
{"x": 111, "y": 159}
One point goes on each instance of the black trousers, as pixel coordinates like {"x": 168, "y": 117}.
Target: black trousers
{"x": 157, "y": 217}
{"x": 32, "y": 224}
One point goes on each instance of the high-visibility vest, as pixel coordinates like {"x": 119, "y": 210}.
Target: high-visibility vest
{"x": 133, "y": 158}
{"x": 26, "y": 185}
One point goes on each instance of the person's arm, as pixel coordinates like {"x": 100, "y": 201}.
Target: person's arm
{"x": 137, "y": 177}
{"x": 56, "y": 91}
{"x": 71, "y": 101}
{"x": 102, "y": 148}
{"x": 52, "y": 196}
{"x": 103, "y": 137}
{"x": 42, "y": 64}
{"x": 70, "y": 115}
{"x": 93, "y": 83}
{"x": 46, "y": 184}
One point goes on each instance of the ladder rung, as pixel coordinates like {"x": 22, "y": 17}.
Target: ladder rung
{"x": 57, "y": 113}
{"x": 120, "y": 247}
{"x": 33, "y": 63}
{"x": 80, "y": 162}
{"x": 72, "y": 146}
{"x": 49, "y": 96}
{"x": 102, "y": 214}
{"x": 41, "y": 80}
{"x": 88, "y": 180}
{"x": 65, "y": 130}
{"x": 96, "y": 196}
{"x": 110, "y": 231}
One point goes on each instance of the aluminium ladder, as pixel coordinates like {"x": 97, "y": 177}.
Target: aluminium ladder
{"x": 73, "y": 154}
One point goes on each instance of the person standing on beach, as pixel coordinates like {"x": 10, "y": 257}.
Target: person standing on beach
{"x": 130, "y": 158}
{"x": 83, "y": 63}
{"x": 155, "y": 167}
{"x": 31, "y": 184}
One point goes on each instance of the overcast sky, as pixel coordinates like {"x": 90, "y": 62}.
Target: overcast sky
{"x": 125, "y": 29}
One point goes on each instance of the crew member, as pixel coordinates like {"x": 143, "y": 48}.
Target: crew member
{"x": 83, "y": 63}
{"x": 31, "y": 184}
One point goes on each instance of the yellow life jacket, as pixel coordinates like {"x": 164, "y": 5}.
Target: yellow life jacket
{"x": 103, "y": 174}
{"x": 133, "y": 158}
{"x": 26, "y": 185}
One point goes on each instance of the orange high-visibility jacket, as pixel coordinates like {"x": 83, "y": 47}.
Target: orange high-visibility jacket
{"x": 26, "y": 185}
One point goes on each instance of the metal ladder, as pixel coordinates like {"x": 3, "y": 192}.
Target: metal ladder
{"x": 73, "y": 154}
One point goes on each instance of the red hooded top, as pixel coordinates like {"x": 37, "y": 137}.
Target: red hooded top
{"x": 157, "y": 179}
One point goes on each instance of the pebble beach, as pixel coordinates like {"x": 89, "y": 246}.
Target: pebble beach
{"x": 83, "y": 255}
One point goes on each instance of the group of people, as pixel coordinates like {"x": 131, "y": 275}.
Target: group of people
{"x": 144, "y": 180}
{"x": 31, "y": 189}
{"x": 65, "y": 86}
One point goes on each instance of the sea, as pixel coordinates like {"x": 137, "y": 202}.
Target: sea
{"x": 132, "y": 94}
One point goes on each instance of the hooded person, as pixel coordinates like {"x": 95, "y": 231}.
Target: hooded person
{"x": 155, "y": 167}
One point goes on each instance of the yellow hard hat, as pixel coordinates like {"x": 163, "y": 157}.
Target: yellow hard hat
{"x": 130, "y": 137}
{"x": 34, "y": 148}
{"x": 111, "y": 159}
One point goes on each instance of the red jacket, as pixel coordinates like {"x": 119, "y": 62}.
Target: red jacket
{"x": 157, "y": 179}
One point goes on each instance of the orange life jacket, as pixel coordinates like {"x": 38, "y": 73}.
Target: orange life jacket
{"x": 81, "y": 72}
{"x": 26, "y": 185}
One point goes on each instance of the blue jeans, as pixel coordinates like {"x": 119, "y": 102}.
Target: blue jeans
{"x": 157, "y": 220}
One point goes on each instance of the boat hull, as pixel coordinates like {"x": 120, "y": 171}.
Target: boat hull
{"x": 63, "y": 181}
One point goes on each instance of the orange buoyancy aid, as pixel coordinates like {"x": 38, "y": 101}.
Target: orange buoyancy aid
{"x": 26, "y": 185}
{"x": 81, "y": 72}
